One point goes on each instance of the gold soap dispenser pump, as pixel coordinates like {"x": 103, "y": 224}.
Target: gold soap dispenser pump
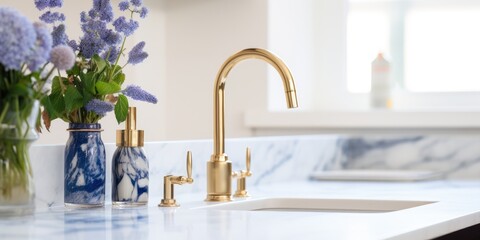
{"x": 130, "y": 166}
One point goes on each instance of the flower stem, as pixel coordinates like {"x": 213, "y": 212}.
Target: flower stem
{"x": 118, "y": 58}
{"x": 60, "y": 80}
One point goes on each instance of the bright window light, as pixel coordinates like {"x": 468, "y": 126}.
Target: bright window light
{"x": 367, "y": 35}
{"x": 442, "y": 50}
{"x": 432, "y": 46}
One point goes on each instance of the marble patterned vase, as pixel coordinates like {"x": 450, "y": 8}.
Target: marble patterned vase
{"x": 129, "y": 177}
{"x": 84, "y": 166}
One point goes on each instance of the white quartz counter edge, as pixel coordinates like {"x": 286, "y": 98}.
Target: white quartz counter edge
{"x": 456, "y": 208}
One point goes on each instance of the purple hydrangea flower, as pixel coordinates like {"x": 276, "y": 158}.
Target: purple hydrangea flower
{"x": 43, "y": 46}
{"x": 126, "y": 27}
{"x": 143, "y": 12}
{"x": 17, "y": 38}
{"x": 137, "y": 55}
{"x": 62, "y": 57}
{"x": 99, "y": 107}
{"x": 123, "y": 5}
{"x": 136, "y": 3}
{"x": 135, "y": 92}
{"x": 59, "y": 36}
{"x": 42, "y": 4}
{"x": 52, "y": 17}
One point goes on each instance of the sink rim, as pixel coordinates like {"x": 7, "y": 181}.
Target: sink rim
{"x": 309, "y": 204}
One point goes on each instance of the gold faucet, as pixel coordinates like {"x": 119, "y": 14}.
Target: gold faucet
{"x": 169, "y": 181}
{"x": 219, "y": 168}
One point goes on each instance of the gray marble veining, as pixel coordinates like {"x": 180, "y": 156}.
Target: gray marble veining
{"x": 276, "y": 159}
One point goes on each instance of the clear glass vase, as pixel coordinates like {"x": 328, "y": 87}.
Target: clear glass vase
{"x": 17, "y": 132}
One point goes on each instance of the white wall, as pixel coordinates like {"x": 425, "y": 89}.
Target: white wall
{"x": 201, "y": 35}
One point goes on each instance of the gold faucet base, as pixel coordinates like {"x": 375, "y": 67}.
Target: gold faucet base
{"x": 219, "y": 181}
{"x": 216, "y": 198}
{"x": 168, "y": 203}
{"x": 241, "y": 194}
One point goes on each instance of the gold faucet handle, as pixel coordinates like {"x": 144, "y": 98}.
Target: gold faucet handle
{"x": 189, "y": 167}
{"x": 169, "y": 181}
{"x": 245, "y": 173}
{"x": 241, "y": 176}
{"x": 248, "y": 160}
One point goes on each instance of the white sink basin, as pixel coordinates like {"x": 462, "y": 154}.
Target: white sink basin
{"x": 318, "y": 205}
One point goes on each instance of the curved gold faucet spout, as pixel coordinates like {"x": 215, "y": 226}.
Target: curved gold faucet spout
{"x": 219, "y": 95}
{"x": 219, "y": 168}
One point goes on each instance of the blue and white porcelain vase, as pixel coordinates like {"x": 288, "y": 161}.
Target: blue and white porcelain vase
{"x": 129, "y": 177}
{"x": 84, "y": 166}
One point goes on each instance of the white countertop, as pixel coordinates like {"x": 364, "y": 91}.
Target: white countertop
{"x": 457, "y": 207}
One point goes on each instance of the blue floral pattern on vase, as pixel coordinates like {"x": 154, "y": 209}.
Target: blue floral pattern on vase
{"x": 84, "y": 166}
{"x": 129, "y": 176}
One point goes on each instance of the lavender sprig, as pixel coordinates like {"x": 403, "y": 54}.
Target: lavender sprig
{"x": 103, "y": 9}
{"x": 123, "y": 5}
{"x": 136, "y": 3}
{"x": 59, "y": 36}
{"x": 99, "y": 107}
{"x": 52, "y": 17}
{"x": 135, "y": 92}
{"x": 126, "y": 27}
{"x": 42, "y": 4}
{"x": 143, "y": 12}
{"x": 137, "y": 55}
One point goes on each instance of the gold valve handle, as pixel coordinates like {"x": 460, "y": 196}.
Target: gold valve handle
{"x": 241, "y": 176}
{"x": 249, "y": 159}
{"x": 169, "y": 181}
{"x": 189, "y": 165}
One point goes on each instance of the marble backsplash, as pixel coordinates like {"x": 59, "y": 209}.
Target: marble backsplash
{"x": 276, "y": 159}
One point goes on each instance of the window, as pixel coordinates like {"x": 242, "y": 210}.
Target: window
{"x": 433, "y": 46}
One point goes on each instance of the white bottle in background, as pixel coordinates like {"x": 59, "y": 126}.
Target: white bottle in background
{"x": 380, "y": 93}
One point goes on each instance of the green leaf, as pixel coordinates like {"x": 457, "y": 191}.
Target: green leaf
{"x": 57, "y": 104}
{"x": 56, "y": 87}
{"x": 104, "y": 88}
{"x": 87, "y": 97}
{"x": 75, "y": 70}
{"x": 119, "y": 78}
{"x": 89, "y": 82}
{"x": 121, "y": 108}
{"x": 47, "y": 104}
{"x": 100, "y": 62}
{"x": 73, "y": 99}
